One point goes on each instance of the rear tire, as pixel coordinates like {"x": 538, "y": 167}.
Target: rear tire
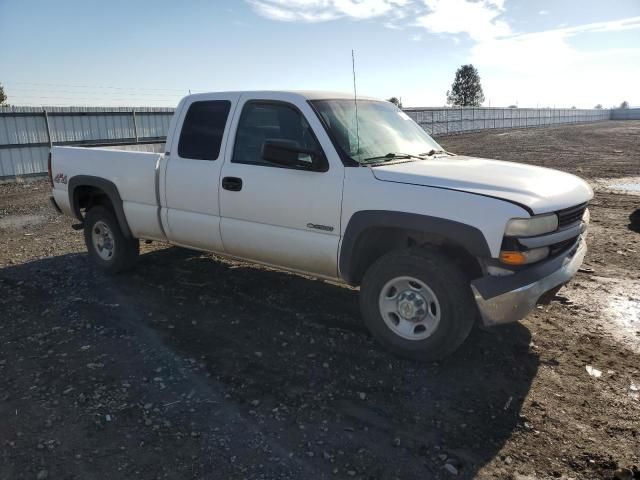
{"x": 417, "y": 303}
{"x": 109, "y": 249}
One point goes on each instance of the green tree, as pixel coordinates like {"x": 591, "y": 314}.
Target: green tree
{"x": 3, "y": 96}
{"x": 466, "y": 90}
{"x": 396, "y": 101}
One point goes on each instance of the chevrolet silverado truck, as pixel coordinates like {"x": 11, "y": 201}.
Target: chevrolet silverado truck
{"x": 341, "y": 189}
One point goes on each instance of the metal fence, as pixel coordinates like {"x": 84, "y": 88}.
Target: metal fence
{"x": 447, "y": 121}
{"x": 625, "y": 114}
{"x": 27, "y": 133}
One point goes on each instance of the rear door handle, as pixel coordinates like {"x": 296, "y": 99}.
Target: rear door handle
{"x": 233, "y": 184}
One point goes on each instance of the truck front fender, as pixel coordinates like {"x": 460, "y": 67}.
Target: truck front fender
{"x": 466, "y": 236}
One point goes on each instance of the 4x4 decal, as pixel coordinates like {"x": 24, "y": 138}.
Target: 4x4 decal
{"x": 60, "y": 178}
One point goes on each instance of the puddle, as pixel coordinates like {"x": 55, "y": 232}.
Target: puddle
{"x": 17, "y": 222}
{"x": 621, "y": 311}
{"x": 627, "y": 312}
{"x": 628, "y": 185}
{"x": 614, "y": 307}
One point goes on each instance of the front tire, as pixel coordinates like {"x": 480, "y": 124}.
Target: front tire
{"x": 108, "y": 247}
{"x": 417, "y": 303}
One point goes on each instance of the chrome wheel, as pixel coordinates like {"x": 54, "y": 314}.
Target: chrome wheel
{"x": 103, "y": 241}
{"x": 409, "y": 308}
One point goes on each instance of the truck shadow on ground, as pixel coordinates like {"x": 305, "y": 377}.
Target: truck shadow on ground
{"x": 292, "y": 354}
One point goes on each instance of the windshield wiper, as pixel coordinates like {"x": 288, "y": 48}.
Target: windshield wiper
{"x": 434, "y": 152}
{"x": 392, "y": 156}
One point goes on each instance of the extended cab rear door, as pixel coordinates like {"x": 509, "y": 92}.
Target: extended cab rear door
{"x": 287, "y": 217}
{"x": 191, "y": 211}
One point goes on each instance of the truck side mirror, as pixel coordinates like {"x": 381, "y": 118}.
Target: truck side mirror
{"x": 288, "y": 153}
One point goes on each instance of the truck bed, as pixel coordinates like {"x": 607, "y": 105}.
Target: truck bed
{"x": 134, "y": 174}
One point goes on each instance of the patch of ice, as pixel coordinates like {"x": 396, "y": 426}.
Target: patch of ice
{"x": 631, "y": 187}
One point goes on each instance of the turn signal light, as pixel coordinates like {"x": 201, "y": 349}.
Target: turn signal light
{"x": 513, "y": 258}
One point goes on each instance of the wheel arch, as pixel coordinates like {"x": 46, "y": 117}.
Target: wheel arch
{"x": 87, "y": 190}
{"x": 373, "y": 233}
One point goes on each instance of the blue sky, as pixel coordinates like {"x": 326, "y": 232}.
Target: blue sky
{"x": 546, "y": 53}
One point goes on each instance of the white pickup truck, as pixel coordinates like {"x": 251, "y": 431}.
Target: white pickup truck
{"x": 307, "y": 182}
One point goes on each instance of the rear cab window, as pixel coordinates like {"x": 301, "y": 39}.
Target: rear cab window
{"x": 203, "y": 129}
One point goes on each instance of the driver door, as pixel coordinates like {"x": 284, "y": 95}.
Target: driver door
{"x": 281, "y": 216}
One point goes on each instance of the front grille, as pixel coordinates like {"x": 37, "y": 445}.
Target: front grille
{"x": 570, "y": 215}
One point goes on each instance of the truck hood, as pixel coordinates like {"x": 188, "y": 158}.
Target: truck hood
{"x": 540, "y": 189}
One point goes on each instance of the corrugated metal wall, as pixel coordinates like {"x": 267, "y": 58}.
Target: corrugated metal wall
{"x": 625, "y": 114}
{"x": 446, "y": 121}
{"x": 26, "y": 133}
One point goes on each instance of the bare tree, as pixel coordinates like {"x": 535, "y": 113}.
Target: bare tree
{"x": 598, "y": 106}
{"x": 396, "y": 101}
{"x": 466, "y": 90}
{"x": 3, "y": 96}
{"x": 624, "y": 104}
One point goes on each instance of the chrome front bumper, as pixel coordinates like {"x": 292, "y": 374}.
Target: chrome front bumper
{"x": 510, "y": 298}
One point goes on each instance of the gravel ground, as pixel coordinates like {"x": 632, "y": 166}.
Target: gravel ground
{"x": 194, "y": 367}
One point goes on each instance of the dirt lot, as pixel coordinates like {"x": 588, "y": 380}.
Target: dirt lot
{"x": 193, "y": 367}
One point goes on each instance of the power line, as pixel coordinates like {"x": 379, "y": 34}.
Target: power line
{"x": 156, "y": 94}
{"x": 65, "y": 94}
{"x": 46, "y": 97}
{"x": 90, "y": 104}
{"x": 11, "y": 82}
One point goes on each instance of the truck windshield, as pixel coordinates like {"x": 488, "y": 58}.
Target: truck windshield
{"x": 383, "y": 131}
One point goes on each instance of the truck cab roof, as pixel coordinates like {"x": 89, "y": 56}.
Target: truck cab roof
{"x": 294, "y": 94}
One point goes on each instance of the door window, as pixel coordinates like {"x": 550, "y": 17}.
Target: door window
{"x": 278, "y": 122}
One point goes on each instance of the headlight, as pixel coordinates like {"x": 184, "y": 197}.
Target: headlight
{"x": 530, "y": 227}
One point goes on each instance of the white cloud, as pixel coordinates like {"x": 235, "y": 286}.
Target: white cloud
{"x": 548, "y": 48}
{"x": 324, "y": 10}
{"x": 546, "y": 67}
{"x": 541, "y": 67}
{"x": 478, "y": 19}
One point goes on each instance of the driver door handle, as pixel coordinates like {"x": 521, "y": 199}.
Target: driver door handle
{"x": 233, "y": 184}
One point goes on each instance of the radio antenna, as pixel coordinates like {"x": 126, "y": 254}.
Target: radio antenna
{"x": 355, "y": 100}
